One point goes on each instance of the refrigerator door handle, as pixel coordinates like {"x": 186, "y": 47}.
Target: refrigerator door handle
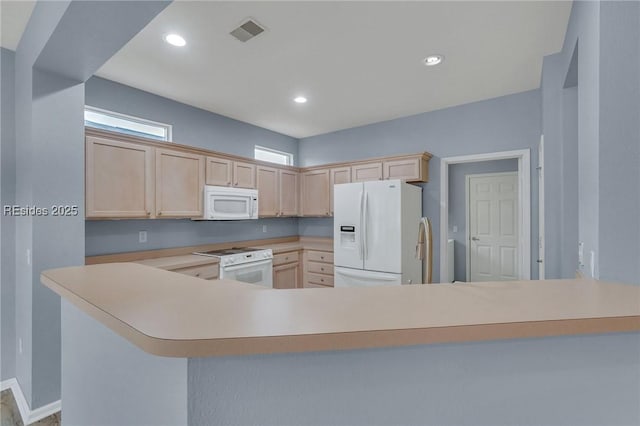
{"x": 364, "y": 225}
{"x": 360, "y": 242}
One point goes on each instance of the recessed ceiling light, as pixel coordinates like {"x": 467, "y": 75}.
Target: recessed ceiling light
{"x": 432, "y": 60}
{"x": 300, "y": 100}
{"x": 175, "y": 40}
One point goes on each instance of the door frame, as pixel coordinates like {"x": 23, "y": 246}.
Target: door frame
{"x": 467, "y": 234}
{"x": 524, "y": 202}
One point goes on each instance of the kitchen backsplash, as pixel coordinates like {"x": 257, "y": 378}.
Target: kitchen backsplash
{"x": 118, "y": 236}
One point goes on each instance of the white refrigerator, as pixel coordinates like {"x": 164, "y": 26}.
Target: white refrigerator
{"x": 374, "y": 234}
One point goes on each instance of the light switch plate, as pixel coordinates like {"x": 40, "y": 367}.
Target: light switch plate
{"x": 581, "y": 253}
{"x": 142, "y": 236}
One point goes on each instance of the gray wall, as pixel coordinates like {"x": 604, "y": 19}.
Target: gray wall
{"x": 576, "y": 380}
{"x": 195, "y": 127}
{"x": 458, "y": 205}
{"x": 7, "y": 223}
{"x": 109, "y": 381}
{"x": 619, "y": 147}
{"x": 191, "y": 126}
{"x": 500, "y": 124}
{"x": 591, "y": 142}
{"x": 57, "y": 52}
{"x": 104, "y": 237}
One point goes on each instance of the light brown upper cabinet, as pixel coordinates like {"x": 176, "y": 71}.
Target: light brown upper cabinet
{"x": 267, "y": 183}
{"x": 244, "y": 175}
{"x": 366, "y": 171}
{"x": 338, "y": 175}
{"x": 408, "y": 169}
{"x": 180, "y": 178}
{"x": 315, "y": 193}
{"x": 219, "y": 171}
{"x": 277, "y": 192}
{"x": 119, "y": 179}
{"x": 224, "y": 172}
{"x": 288, "y": 192}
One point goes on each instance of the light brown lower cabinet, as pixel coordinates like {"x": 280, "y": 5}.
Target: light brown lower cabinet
{"x": 318, "y": 269}
{"x": 286, "y": 270}
{"x": 206, "y": 272}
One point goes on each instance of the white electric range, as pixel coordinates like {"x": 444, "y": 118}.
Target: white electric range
{"x": 249, "y": 265}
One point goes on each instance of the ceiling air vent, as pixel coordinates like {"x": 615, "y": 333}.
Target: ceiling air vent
{"x": 247, "y": 31}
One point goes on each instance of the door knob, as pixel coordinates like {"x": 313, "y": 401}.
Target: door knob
{"x": 475, "y": 239}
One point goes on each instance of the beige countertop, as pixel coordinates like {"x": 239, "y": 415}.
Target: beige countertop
{"x": 178, "y": 262}
{"x": 170, "y": 314}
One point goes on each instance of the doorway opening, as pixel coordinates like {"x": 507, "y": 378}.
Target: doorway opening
{"x": 523, "y": 214}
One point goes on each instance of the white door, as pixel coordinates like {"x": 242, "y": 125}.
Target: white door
{"x": 347, "y": 225}
{"x": 346, "y": 277}
{"x": 382, "y": 226}
{"x": 493, "y": 227}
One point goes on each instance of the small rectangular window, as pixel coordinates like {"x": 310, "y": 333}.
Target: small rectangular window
{"x": 121, "y": 123}
{"x": 273, "y": 156}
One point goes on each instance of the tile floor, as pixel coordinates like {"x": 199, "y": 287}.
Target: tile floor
{"x": 10, "y": 416}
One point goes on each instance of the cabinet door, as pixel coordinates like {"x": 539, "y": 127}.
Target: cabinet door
{"x": 338, "y": 175}
{"x": 119, "y": 179}
{"x": 219, "y": 171}
{"x": 366, "y": 172}
{"x": 407, "y": 169}
{"x": 267, "y": 183}
{"x": 315, "y": 193}
{"x": 179, "y": 183}
{"x": 286, "y": 276}
{"x": 288, "y": 193}
{"x": 244, "y": 175}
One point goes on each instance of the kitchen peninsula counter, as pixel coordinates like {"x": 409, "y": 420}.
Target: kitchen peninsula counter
{"x": 173, "y": 315}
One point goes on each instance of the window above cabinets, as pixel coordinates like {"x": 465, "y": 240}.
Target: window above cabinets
{"x": 121, "y": 123}
{"x": 273, "y": 156}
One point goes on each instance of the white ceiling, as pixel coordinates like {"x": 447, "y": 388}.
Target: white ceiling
{"x": 356, "y": 62}
{"x": 14, "y": 16}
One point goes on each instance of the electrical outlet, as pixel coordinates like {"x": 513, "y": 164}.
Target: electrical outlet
{"x": 19, "y": 345}
{"x": 264, "y": 228}
{"x": 455, "y": 228}
{"x": 142, "y": 236}
{"x": 28, "y": 256}
{"x": 592, "y": 263}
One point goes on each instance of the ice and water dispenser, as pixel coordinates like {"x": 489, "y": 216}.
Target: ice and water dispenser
{"x": 348, "y": 237}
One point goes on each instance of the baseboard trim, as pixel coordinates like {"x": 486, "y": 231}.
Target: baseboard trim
{"x": 29, "y": 416}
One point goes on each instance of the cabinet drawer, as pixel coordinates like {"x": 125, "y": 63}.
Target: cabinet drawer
{"x": 320, "y": 256}
{"x": 311, "y": 285}
{"x": 282, "y": 258}
{"x": 319, "y": 279}
{"x": 320, "y": 268}
{"x": 206, "y": 272}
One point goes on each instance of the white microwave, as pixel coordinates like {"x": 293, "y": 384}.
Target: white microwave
{"x": 224, "y": 203}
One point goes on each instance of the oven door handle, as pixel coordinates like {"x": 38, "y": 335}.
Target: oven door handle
{"x": 229, "y": 268}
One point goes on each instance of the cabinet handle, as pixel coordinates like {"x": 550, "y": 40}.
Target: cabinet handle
{"x": 322, "y": 257}
{"x": 229, "y": 183}
{"x": 198, "y": 274}
{"x": 159, "y": 213}
{"x": 235, "y": 184}
{"x": 322, "y": 279}
{"x": 322, "y": 269}
{"x": 148, "y": 213}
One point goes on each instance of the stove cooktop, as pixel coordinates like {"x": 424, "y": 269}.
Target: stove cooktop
{"x": 227, "y": 252}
